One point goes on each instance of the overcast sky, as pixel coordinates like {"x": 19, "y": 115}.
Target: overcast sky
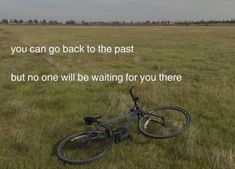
{"x": 109, "y": 10}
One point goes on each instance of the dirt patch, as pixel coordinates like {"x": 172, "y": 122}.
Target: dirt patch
{"x": 3, "y": 130}
{"x": 6, "y": 32}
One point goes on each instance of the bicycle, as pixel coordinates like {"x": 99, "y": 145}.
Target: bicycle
{"x": 160, "y": 123}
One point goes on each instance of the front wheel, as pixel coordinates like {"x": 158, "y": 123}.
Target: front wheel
{"x": 164, "y": 122}
{"x": 84, "y": 147}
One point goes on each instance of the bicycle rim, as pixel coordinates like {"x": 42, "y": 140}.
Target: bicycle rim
{"x": 84, "y": 147}
{"x": 164, "y": 122}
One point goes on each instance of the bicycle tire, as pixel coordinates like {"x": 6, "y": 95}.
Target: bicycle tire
{"x": 86, "y": 138}
{"x": 152, "y": 114}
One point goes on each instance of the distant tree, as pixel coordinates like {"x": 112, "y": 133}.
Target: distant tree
{"x": 53, "y": 22}
{"x": 21, "y": 21}
{"x": 116, "y": 23}
{"x": 154, "y": 23}
{"x": 35, "y": 21}
{"x": 43, "y": 22}
{"x": 147, "y": 22}
{"x": 70, "y": 22}
{"x": 30, "y": 21}
{"x": 15, "y": 21}
{"x": 123, "y": 22}
{"x": 5, "y": 21}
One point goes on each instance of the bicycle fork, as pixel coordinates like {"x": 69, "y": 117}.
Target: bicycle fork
{"x": 162, "y": 122}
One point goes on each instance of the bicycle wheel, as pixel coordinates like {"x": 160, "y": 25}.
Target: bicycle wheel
{"x": 84, "y": 147}
{"x": 164, "y": 122}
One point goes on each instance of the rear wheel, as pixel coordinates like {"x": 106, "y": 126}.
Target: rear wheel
{"x": 164, "y": 122}
{"x": 84, "y": 147}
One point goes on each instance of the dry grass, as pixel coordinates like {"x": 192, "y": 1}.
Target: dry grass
{"x": 34, "y": 116}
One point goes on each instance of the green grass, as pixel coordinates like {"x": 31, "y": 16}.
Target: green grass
{"x": 34, "y": 116}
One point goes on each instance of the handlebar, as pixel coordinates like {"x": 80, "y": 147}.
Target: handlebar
{"x": 134, "y": 98}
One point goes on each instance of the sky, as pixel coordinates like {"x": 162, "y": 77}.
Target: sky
{"x": 118, "y": 10}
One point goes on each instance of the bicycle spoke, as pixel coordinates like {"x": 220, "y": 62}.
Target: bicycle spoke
{"x": 165, "y": 122}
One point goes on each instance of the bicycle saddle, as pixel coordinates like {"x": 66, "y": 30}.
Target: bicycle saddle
{"x": 90, "y": 119}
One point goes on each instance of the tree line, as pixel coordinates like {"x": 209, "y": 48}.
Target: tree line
{"x": 148, "y": 22}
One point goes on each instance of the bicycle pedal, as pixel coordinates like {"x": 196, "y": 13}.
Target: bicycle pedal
{"x": 117, "y": 140}
{"x": 128, "y": 138}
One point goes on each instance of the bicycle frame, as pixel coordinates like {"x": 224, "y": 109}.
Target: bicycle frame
{"x": 134, "y": 112}
{"x": 106, "y": 133}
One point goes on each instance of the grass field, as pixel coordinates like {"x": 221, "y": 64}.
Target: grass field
{"x": 34, "y": 116}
